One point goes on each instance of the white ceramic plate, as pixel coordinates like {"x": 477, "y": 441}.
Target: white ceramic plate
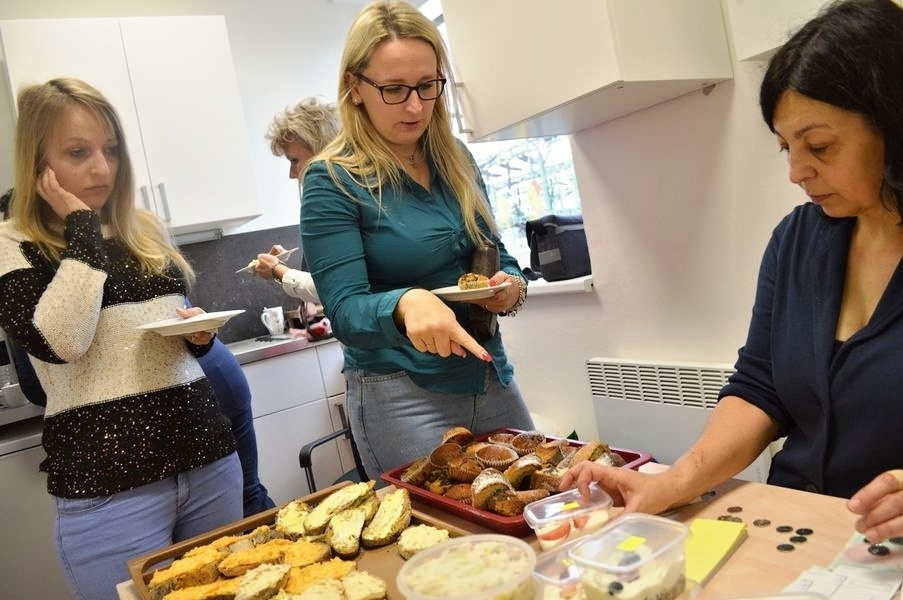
{"x": 201, "y": 322}
{"x": 453, "y": 292}
{"x": 282, "y": 257}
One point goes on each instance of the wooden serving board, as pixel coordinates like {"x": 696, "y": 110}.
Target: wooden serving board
{"x": 383, "y": 562}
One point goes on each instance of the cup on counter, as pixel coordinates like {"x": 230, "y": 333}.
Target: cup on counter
{"x": 273, "y": 319}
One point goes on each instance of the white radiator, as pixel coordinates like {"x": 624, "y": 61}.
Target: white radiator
{"x": 659, "y": 407}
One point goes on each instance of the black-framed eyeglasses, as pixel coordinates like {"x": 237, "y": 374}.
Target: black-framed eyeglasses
{"x": 398, "y": 93}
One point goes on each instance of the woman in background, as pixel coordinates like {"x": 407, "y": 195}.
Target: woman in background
{"x": 821, "y": 364}
{"x": 298, "y": 133}
{"x": 138, "y": 453}
{"x": 392, "y": 208}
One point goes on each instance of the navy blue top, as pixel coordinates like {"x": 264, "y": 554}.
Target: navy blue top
{"x": 842, "y": 411}
{"x": 227, "y": 378}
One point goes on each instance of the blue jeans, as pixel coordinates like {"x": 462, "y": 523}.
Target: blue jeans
{"x": 394, "y": 421}
{"x": 96, "y": 537}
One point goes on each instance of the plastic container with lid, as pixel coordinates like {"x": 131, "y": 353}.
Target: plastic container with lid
{"x": 637, "y": 555}
{"x": 567, "y": 516}
{"x": 484, "y": 566}
{"x": 557, "y": 576}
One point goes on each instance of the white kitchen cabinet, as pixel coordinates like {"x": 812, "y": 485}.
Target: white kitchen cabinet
{"x": 284, "y": 381}
{"x": 28, "y": 563}
{"x": 332, "y": 359}
{"x": 280, "y": 436}
{"x": 527, "y": 68}
{"x": 291, "y": 408}
{"x": 760, "y": 27}
{"x": 173, "y": 83}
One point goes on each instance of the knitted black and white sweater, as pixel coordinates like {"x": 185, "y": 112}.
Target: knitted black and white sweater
{"x": 125, "y": 407}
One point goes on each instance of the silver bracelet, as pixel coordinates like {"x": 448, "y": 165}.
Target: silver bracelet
{"x": 521, "y": 296}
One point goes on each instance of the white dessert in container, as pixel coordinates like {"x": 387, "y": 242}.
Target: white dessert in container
{"x": 637, "y": 557}
{"x": 557, "y": 576}
{"x": 474, "y": 567}
{"x": 567, "y": 516}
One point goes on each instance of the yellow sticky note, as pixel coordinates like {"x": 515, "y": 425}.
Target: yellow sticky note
{"x": 709, "y": 544}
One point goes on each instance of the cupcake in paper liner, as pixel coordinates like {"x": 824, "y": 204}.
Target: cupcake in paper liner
{"x": 526, "y": 442}
{"x": 418, "y": 471}
{"x": 464, "y": 468}
{"x": 444, "y": 453}
{"x": 496, "y": 456}
{"x": 502, "y": 437}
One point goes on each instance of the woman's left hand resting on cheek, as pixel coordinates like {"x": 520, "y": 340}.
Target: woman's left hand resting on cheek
{"x": 880, "y": 507}
{"x": 199, "y": 338}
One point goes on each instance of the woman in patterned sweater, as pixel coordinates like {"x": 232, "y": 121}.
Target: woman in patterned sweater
{"x": 138, "y": 454}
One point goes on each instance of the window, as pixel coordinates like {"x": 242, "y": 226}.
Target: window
{"x": 526, "y": 178}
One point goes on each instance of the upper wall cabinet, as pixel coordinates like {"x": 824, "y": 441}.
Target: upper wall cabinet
{"x": 172, "y": 81}
{"x": 528, "y": 68}
{"x": 760, "y": 27}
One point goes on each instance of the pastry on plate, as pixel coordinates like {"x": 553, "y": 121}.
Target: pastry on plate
{"x": 473, "y": 281}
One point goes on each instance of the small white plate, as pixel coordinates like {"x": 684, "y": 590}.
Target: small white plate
{"x": 453, "y": 292}
{"x": 201, "y": 322}
{"x": 282, "y": 257}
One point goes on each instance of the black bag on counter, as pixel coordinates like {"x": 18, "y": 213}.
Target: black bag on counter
{"x": 558, "y": 247}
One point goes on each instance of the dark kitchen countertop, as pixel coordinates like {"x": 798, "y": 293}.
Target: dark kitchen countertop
{"x": 255, "y": 349}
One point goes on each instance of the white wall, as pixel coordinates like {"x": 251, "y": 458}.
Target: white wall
{"x": 284, "y": 50}
{"x": 679, "y": 200}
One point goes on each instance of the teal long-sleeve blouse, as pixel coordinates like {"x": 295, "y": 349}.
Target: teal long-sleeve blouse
{"x": 363, "y": 259}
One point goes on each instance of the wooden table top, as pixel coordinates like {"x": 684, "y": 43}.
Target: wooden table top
{"x": 757, "y": 566}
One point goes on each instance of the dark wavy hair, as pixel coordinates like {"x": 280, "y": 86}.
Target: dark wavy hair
{"x": 849, "y": 56}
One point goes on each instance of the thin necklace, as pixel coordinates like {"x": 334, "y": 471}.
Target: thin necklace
{"x": 411, "y": 160}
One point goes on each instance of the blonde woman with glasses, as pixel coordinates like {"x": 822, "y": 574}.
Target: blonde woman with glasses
{"x": 393, "y": 208}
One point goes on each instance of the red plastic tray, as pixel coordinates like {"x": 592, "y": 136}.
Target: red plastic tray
{"x": 515, "y": 526}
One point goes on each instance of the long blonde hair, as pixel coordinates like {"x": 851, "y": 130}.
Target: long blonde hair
{"x": 41, "y": 107}
{"x": 364, "y": 154}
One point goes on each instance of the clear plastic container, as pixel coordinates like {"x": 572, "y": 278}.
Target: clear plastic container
{"x": 567, "y": 516}
{"x": 557, "y": 576}
{"x": 637, "y": 555}
{"x": 485, "y": 566}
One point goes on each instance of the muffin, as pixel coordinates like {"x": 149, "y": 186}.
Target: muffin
{"x": 526, "y": 442}
{"x": 496, "y": 456}
{"x": 521, "y": 469}
{"x": 464, "y": 468}
{"x": 487, "y": 484}
{"x": 441, "y": 456}
{"x": 547, "y": 478}
{"x": 473, "y": 448}
{"x": 611, "y": 459}
{"x": 550, "y": 452}
{"x": 502, "y": 437}
{"x": 473, "y": 281}
{"x": 458, "y": 435}
{"x": 418, "y": 471}
{"x": 462, "y": 492}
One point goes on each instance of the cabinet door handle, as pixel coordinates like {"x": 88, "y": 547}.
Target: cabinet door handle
{"x": 166, "y": 216}
{"x": 146, "y": 198}
{"x": 459, "y": 117}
